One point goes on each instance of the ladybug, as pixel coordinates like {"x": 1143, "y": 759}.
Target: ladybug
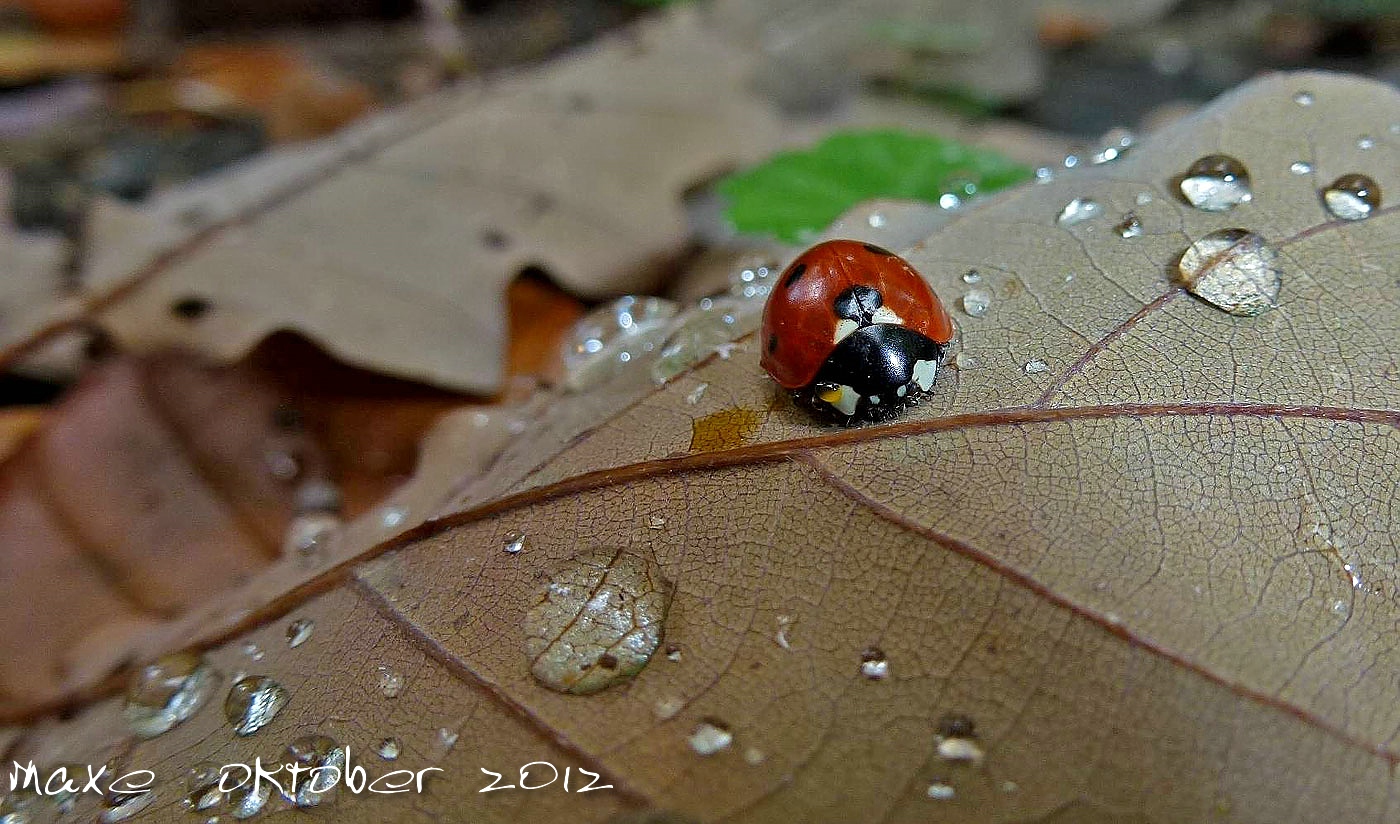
{"x": 854, "y": 331}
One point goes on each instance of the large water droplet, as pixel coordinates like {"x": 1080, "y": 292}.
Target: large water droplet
{"x": 202, "y": 786}
{"x": 299, "y": 632}
{"x": 513, "y": 542}
{"x": 252, "y": 702}
{"x": 389, "y": 680}
{"x": 1216, "y": 183}
{"x": 611, "y": 335}
{"x": 597, "y": 622}
{"x": 1130, "y": 227}
{"x": 874, "y": 664}
{"x": 324, "y": 759}
{"x": 976, "y": 302}
{"x": 388, "y": 749}
{"x": 1234, "y": 270}
{"x": 1078, "y": 210}
{"x": 1352, "y": 197}
{"x": 700, "y": 332}
{"x": 167, "y": 692}
{"x": 710, "y": 736}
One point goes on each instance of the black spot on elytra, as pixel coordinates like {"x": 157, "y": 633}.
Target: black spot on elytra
{"x": 797, "y": 272}
{"x": 772, "y": 344}
{"x": 879, "y": 250}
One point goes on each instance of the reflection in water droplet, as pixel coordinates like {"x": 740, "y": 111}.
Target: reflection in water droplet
{"x": 1300, "y": 167}
{"x": 956, "y": 740}
{"x": 248, "y": 798}
{"x": 701, "y": 332}
{"x": 949, "y": 201}
{"x": 389, "y": 680}
{"x": 673, "y": 653}
{"x": 1341, "y": 607}
{"x": 1352, "y": 197}
{"x": 202, "y": 786}
{"x": 299, "y": 632}
{"x": 311, "y": 533}
{"x": 167, "y": 692}
{"x": 1234, "y": 270}
{"x": 1044, "y": 174}
{"x": 389, "y": 749}
{"x": 252, "y": 650}
{"x": 447, "y": 738}
{"x": 656, "y": 522}
{"x": 120, "y": 806}
{"x": 694, "y": 396}
{"x": 1130, "y": 227}
{"x": 597, "y": 622}
{"x": 1113, "y": 145}
{"x": 392, "y": 517}
{"x": 1078, "y": 210}
{"x": 710, "y": 736}
{"x": 754, "y": 279}
{"x": 324, "y": 760}
{"x": 976, "y": 302}
{"x": 1303, "y": 98}
{"x": 874, "y": 665}
{"x": 1035, "y": 367}
{"x": 1216, "y": 183}
{"x": 252, "y": 702}
{"x": 611, "y": 335}
{"x": 941, "y": 791}
{"x": 513, "y": 542}
{"x": 972, "y": 276}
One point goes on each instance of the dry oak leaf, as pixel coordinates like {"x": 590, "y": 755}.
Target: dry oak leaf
{"x": 1159, "y": 576}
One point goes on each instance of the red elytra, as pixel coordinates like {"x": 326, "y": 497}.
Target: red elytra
{"x": 799, "y": 320}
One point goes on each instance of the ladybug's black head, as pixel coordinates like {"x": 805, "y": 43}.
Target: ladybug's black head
{"x": 858, "y": 304}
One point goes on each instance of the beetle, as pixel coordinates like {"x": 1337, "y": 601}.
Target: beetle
{"x": 854, "y": 331}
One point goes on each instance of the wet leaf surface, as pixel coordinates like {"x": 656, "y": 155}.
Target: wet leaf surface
{"x": 1151, "y": 579}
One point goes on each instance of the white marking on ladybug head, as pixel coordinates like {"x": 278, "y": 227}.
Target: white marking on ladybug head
{"x": 884, "y": 314}
{"x": 844, "y": 327}
{"x": 924, "y": 373}
{"x": 902, "y": 390}
{"x": 842, "y": 398}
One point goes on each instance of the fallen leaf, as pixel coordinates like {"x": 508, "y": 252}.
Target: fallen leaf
{"x": 1151, "y": 581}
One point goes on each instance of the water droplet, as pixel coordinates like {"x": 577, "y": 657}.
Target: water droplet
{"x": 324, "y": 760}
{"x": 874, "y": 665}
{"x": 941, "y": 791}
{"x": 754, "y": 756}
{"x": 976, "y": 302}
{"x": 1071, "y": 160}
{"x": 754, "y": 279}
{"x": 1340, "y": 607}
{"x": 1365, "y": 142}
{"x": 1143, "y": 198}
{"x": 1035, "y": 367}
{"x": 447, "y": 738}
{"x": 1078, "y": 210}
{"x": 694, "y": 396}
{"x": 710, "y": 737}
{"x": 1044, "y": 174}
{"x": 247, "y": 799}
{"x": 597, "y": 622}
{"x": 252, "y": 650}
{"x": 956, "y": 739}
{"x": 311, "y": 533}
{"x": 593, "y": 349}
{"x": 668, "y": 708}
{"x": 299, "y": 632}
{"x": 1113, "y": 145}
{"x": 701, "y": 332}
{"x": 389, "y": 680}
{"x": 1234, "y": 270}
{"x": 202, "y": 787}
{"x": 1353, "y": 574}
{"x": 167, "y": 692}
{"x": 972, "y": 276}
{"x": 392, "y": 517}
{"x": 389, "y": 748}
{"x": 1303, "y": 98}
{"x": 1352, "y": 197}
{"x": 1300, "y": 167}
{"x": 252, "y": 702}
{"x": 513, "y": 542}
{"x": 1216, "y": 183}
{"x": 876, "y": 220}
{"x": 963, "y": 360}
{"x": 781, "y": 637}
{"x": 949, "y": 201}
{"x": 120, "y": 806}
{"x": 656, "y": 522}
{"x": 318, "y": 495}
{"x": 673, "y": 653}
{"x": 1129, "y": 227}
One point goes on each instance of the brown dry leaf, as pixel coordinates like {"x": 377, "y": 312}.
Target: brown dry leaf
{"x": 1157, "y": 578}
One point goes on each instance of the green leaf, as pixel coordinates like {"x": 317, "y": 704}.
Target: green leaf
{"x": 794, "y": 194}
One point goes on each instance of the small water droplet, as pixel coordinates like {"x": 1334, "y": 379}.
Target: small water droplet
{"x": 963, "y": 360}
{"x": 710, "y": 737}
{"x": 1078, "y": 210}
{"x": 247, "y": 799}
{"x": 299, "y": 632}
{"x": 447, "y": 738}
{"x": 754, "y": 756}
{"x": 874, "y": 665}
{"x": 252, "y": 702}
{"x": 668, "y": 708}
{"x": 388, "y": 749}
{"x": 1300, "y": 167}
{"x": 949, "y": 201}
{"x": 1035, "y": 367}
{"x": 252, "y": 650}
{"x": 1216, "y": 183}
{"x": 1303, "y": 98}
{"x": 324, "y": 760}
{"x": 673, "y": 653}
{"x": 120, "y": 806}
{"x": 781, "y": 637}
{"x": 1130, "y": 227}
{"x": 972, "y": 276}
{"x": 1071, "y": 160}
{"x": 597, "y": 622}
{"x": 976, "y": 302}
{"x": 876, "y": 220}
{"x": 389, "y": 680}
{"x": 392, "y": 516}
{"x": 1365, "y": 142}
{"x": 1044, "y": 174}
{"x": 1352, "y": 197}
{"x": 656, "y": 522}
{"x": 707, "y": 329}
{"x": 202, "y": 787}
{"x": 1113, "y": 145}
{"x": 753, "y": 279}
{"x": 1143, "y": 198}
{"x": 513, "y": 542}
{"x": 1340, "y": 607}
{"x": 941, "y": 791}
{"x": 167, "y": 692}
{"x": 1234, "y": 270}
{"x": 1353, "y": 574}
{"x": 593, "y": 349}
{"x": 311, "y": 533}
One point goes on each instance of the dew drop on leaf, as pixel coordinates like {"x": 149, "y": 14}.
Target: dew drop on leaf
{"x": 698, "y": 333}
{"x": 324, "y": 760}
{"x": 120, "y": 806}
{"x": 1234, "y": 270}
{"x": 1129, "y": 227}
{"x": 299, "y": 632}
{"x": 388, "y": 749}
{"x": 710, "y": 736}
{"x": 964, "y": 360}
{"x": 1365, "y": 142}
{"x": 392, "y": 516}
{"x": 1352, "y": 197}
{"x": 1216, "y": 183}
{"x": 167, "y": 692}
{"x": 694, "y": 396}
{"x": 513, "y": 542}
{"x": 976, "y": 302}
{"x": 202, "y": 786}
{"x": 1035, "y": 367}
{"x": 874, "y": 665}
{"x": 1303, "y": 98}
{"x": 447, "y": 738}
{"x": 656, "y": 522}
{"x": 972, "y": 276}
{"x": 941, "y": 791}
{"x": 613, "y": 334}
{"x": 252, "y": 702}
{"x": 248, "y": 799}
{"x": 389, "y": 680}
{"x": 252, "y": 650}
{"x": 310, "y": 533}
{"x": 597, "y": 622}
{"x": 1078, "y": 210}
{"x": 1300, "y": 167}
